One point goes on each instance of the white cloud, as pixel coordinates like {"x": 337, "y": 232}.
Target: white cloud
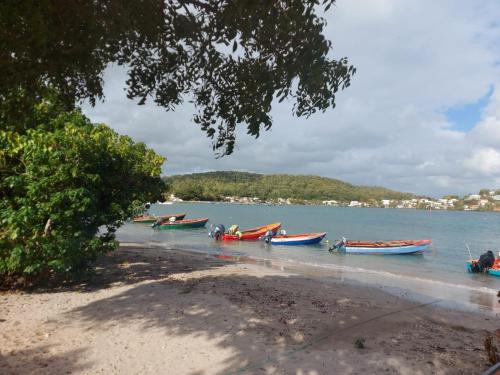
{"x": 415, "y": 59}
{"x": 486, "y": 161}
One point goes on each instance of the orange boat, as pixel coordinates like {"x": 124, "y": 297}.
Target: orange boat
{"x": 252, "y": 234}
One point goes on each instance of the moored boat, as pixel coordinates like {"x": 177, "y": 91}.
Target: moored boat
{"x": 148, "y": 219}
{"x": 494, "y": 270}
{"x": 250, "y": 234}
{"x": 297, "y": 239}
{"x": 183, "y": 224}
{"x": 382, "y": 247}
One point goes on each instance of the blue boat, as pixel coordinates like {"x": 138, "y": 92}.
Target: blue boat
{"x": 297, "y": 239}
{"x": 493, "y": 271}
{"x": 382, "y": 247}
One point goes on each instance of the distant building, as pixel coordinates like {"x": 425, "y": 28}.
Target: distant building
{"x": 483, "y": 202}
{"x": 354, "y": 204}
{"x": 173, "y": 198}
{"x": 331, "y": 203}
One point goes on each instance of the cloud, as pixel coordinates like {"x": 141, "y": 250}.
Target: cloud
{"x": 415, "y": 60}
{"x": 486, "y": 161}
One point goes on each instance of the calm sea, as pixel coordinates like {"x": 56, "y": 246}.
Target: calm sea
{"x": 439, "y": 273}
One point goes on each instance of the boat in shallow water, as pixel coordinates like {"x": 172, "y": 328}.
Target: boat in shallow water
{"x": 251, "y": 234}
{"x": 297, "y": 239}
{"x": 493, "y": 270}
{"x": 382, "y": 247}
{"x": 183, "y": 224}
{"x": 148, "y": 219}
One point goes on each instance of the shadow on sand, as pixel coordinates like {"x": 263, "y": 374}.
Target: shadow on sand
{"x": 41, "y": 361}
{"x": 273, "y": 323}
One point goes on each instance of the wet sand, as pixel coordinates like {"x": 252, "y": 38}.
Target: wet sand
{"x": 151, "y": 311}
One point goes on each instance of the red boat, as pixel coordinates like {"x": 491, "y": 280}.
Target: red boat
{"x": 252, "y": 234}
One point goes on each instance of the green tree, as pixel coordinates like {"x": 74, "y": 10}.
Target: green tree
{"x": 65, "y": 187}
{"x": 458, "y": 205}
{"x": 230, "y": 57}
{"x": 484, "y": 192}
{"x": 241, "y": 184}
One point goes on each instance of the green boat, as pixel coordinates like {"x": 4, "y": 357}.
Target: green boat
{"x": 183, "y": 224}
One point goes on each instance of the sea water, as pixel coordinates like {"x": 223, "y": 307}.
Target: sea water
{"x": 437, "y": 274}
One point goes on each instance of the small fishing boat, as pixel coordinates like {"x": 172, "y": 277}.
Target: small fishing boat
{"x": 148, "y": 219}
{"x": 183, "y": 224}
{"x": 494, "y": 270}
{"x": 250, "y": 234}
{"x": 382, "y": 247}
{"x": 297, "y": 239}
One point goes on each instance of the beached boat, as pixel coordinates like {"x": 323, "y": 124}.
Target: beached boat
{"x": 297, "y": 239}
{"x": 148, "y": 219}
{"x": 252, "y": 234}
{"x": 382, "y": 247}
{"x": 183, "y": 224}
{"x": 493, "y": 271}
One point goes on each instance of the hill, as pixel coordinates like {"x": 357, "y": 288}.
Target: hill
{"x": 217, "y": 185}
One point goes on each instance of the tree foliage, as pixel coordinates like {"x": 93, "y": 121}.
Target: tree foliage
{"x": 65, "y": 187}
{"x": 216, "y": 185}
{"x": 484, "y": 192}
{"x": 232, "y": 58}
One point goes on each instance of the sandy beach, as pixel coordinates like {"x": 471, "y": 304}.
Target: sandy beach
{"x": 152, "y": 311}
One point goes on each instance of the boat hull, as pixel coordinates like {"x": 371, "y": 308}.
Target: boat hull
{"x": 154, "y": 219}
{"x": 184, "y": 224}
{"x": 380, "y": 250}
{"x": 253, "y": 234}
{"x": 491, "y": 271}
{"x": 494, "y": 272}
{"x": 298, "y": 239}
{"x": 383, "y": 247}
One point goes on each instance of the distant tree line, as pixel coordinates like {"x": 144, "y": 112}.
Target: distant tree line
{"x": 214, "y": 186}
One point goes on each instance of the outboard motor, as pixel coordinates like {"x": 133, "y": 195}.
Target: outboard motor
{"x": 217, "y": 232}
{"x": 267, "y": 236}
{"x": 486, "y": 260}
{"x": 338, "y": 244}
{"x": 157, "y": 223}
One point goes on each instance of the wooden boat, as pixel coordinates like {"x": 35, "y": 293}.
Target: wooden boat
{"x": 183, "y": 224}
{"x": 297, "y": 239}
{"x": 252, "y": 234}
{"x": 493, "y": 270}
{"x": 383, "y": 247}
{"x": 148, "y": 219}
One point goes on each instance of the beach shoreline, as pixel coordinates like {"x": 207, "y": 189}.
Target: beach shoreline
{"x": 152, "y": 310}
{"x": 417, "y": 289}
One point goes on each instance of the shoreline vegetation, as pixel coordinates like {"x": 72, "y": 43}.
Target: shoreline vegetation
{"x": 149, "y": 309}
{"x": 253, "y": 188}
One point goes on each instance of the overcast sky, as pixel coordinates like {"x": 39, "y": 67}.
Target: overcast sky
{"x": 422, "y": 113}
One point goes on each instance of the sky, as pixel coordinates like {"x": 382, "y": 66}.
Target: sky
{"x": 422, "y": 113}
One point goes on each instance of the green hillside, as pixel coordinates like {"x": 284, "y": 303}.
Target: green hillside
{"x": 216, "y": 185}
